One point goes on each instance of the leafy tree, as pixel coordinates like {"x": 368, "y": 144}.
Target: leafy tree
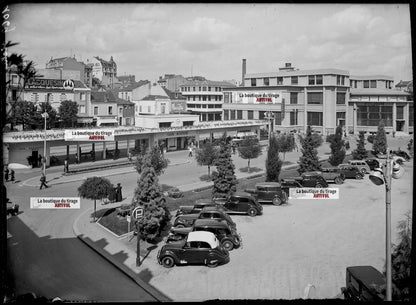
{"x": 337, "y": 148}
{"x": 273, "y": 162}
{"x": 149, "y": 195}
{"x": 360, "y": 153}
{"x": 24, "y": 114}
{"x": 224, "y": 179}
{"x": 95, "y": 188}
{"x": 380, "y": 140}
{"x": 68, "y": 111}
{"x": 25, "y": 71}
{"x": 309, "y": 160}
{"x": 206, "y": 156}
{"x": 159, "y": 162}
{"x": 51, "y": 119}
{"x": 248, "y": 149}
{"x": 316, "y": 139}
{"x": 286, "y": 143}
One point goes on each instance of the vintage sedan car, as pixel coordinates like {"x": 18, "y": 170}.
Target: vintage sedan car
{"x": 311, "y": 179}
{"x": 187, "y": 220}
{"x": 268, "y": 192}
{"x": 363, "y": 283}
{"x": 197, "y": 207}
{"x": 373, "y": 163}
{"x": 199, "y": 247}
{"x": 227, "y": 235}
{"x": 402, "y": 154}
{"x": 330, "y": 174}
{"x": 351, "y": 171}
{"x": 289, "y": 183}
{"x": 361, "y": 164}
{"x": 240, "y": 204}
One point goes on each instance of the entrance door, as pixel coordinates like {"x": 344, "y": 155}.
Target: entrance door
{"x": 341, "y": 122}
{"x": 35, "y": 157}
{"x": 179, "y": 143}
{"x": 399, "y": 125}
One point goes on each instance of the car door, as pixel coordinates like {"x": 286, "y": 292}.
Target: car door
{"x": 261, "y": 193}
{"x": 190, "y": 253}
{"x": 242, "y": 205}
{"x": 232, "y": 204}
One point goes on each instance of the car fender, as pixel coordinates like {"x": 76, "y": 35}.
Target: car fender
{"x": 169, "y": 253}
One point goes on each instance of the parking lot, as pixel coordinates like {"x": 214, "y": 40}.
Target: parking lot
{"x": 290, "y": 246}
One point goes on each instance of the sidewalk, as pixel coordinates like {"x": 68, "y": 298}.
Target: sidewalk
{"x": 57, "y": 176}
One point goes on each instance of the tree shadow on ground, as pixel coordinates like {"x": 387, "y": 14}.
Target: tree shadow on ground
{"x": 252, "y": 169}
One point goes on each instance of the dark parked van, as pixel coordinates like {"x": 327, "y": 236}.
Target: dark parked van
{"x": 363, "y": 283}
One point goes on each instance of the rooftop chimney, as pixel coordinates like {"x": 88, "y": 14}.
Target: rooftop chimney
{"x": 243, "y": 72}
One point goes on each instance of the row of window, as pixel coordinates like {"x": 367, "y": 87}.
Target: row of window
{"x": 204, "y": 98}
{"x": 205, "y": 117}
{"x": 294, "y": 80}
{"x": 49, "y": 97}
{"x": 370, "y": 84}
{"x": 201, "y": 88}
{"x": 203, "y": 105}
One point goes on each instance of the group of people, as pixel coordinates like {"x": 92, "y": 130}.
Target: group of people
{"x": 8, "y": 173}
{"x": 116, "y": 195}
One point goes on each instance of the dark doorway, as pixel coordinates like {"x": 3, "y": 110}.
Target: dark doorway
{"x": 399, "y": 125}
{"x": 35, "y": 157}
{"x": 178, "y": 143}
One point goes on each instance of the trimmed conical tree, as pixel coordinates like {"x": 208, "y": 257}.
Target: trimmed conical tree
{"x": 149, "y": 195}
{"x": 273, "y": 162}
{"x": 337, "y": 148}
{"x": 360, "y": 153}
{"x": 380, "y": 140}
{"x": 309, "y": 160}
{"x": 224, "y": 179}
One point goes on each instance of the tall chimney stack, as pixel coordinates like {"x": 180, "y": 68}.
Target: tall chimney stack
{"x": 243, "y": 72}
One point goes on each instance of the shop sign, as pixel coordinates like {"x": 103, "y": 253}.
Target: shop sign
{"x": 89, "y": 135}
{"x": 259, "y": 98}
{"x": 43, "y": 83}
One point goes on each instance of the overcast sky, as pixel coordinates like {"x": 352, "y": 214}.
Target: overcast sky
{"x": 150, "y": 40}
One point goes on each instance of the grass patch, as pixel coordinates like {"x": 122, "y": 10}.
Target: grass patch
{"x": 116, "y": 224}
{"x": 252, "y": 169}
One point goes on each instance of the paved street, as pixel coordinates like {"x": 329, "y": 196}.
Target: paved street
{"x": 294, "y": 258}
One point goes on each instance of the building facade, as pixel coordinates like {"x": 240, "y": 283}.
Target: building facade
{"x": 321, "y": 98}
{"x": 171, "y": 82}
{"x": 68, "y": 67}
{"x": 204, "y": 98}
{"x": 105, "y": 71}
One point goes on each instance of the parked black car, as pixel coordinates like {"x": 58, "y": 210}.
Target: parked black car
{"x": 311, "y": 179}
{"x": 332, "y": 174}
{"x": 268, "y": 192}
{"x": 363, "y": 283}
{"x": 351, "y": 171}
{"x": 197, "y": 248}
{"x": 402, "y": 154}
{"x": 240, "y": 204}
{"x": 187, "y": 220}
{"x": 289, "y": 183}
{"x": 373, "y": 163}
{"x": 197, "y": 207}
{"x": 227, "y": 235}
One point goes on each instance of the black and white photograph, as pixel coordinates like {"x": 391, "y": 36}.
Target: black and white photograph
{"x": 191, "y": 152}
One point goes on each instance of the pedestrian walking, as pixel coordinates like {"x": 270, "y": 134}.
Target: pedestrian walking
{"x": 129, "y": 156}
{"x": 12, "y": 176}
{"x": 76, "y": 158}
{"x": 190, "y": 151}
{"x": 43, "y": 182}
{"x": 6, "y": 174}
{"x": 119, "y": 195}
{"x": 66, "y": 166}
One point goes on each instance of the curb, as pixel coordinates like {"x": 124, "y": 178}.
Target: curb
{"x": 159, "y": 296}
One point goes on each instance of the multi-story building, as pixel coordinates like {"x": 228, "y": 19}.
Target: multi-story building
{"x": 67, "y": 67}
{"x": 108, "y": 109}
{"x": 204, "y": 98}
{"x": 105, "y": 71}
{"x": 321, "y": 98}
{"x": 126, "y": 80}
{"x": 132, "y": 92}
{"x": 171, "y": 81}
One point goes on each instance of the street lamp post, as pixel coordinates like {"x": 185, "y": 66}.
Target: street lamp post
{"x": 45, "y": 116}
{"x": 380, "y": 177}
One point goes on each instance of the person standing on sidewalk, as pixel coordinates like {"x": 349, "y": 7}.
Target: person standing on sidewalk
{"x": 12, "y": 176}
{"x": 6, "y": 174}
{"x": 43, "y": 182}
{"x": 119, "y": 195}
{"x": 40, "y": 161}
{"x": 66, "y": 166}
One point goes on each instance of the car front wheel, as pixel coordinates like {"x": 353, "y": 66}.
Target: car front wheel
{"x": 168, "y": 262}
{"x": 228, "y": 245}
{"x": 212, "y": 263}
{"x": 252, "y": 212}
{"x": 338, "y": 180}
{"x": 277, "y": 200}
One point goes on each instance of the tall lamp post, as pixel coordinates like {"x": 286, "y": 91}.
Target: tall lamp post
{"x": 45, "y": 116}
{"x": 379, "y": 177}
{"x": 269, "y": 116}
